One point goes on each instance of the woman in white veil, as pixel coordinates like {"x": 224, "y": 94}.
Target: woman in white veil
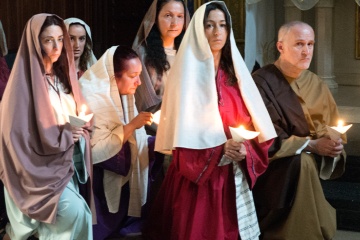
{"x": 206, "y": 192}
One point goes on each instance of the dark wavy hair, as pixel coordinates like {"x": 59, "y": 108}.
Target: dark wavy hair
{"x": 226, "y": 62}
{"x": 155, "y": 53}
{"x": 86, "y": 55}
{"x": 61, "y": 66}
{"x": 122, "y": 54}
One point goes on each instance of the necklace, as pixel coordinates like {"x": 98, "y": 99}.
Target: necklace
{"x": 54, "y": 86}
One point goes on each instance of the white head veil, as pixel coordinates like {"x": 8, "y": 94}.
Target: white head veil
{"x": 111, "y": 110}
{"x": 70, "y": 21}
{"x": 190, "y": 116}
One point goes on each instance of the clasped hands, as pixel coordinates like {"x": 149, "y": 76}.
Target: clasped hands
{"x": 235, "y": 151}
{"x": 326, "y": 147}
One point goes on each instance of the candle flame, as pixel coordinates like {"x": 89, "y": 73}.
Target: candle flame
{"x": 83, "y": 108}
{"x": 340, "y": 123}
{"x": 156, "y": 117}
{"x": 241, "y": 127}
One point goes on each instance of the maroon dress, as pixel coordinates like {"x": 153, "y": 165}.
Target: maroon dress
{"x": 197, "y": 198}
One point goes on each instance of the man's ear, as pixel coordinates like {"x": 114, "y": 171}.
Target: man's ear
{"x": 279, "y": 46}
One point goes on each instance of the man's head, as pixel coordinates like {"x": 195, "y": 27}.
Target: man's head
{"x": 296, "y": 45}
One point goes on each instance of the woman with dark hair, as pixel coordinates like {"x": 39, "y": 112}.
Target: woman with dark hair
{"x": 157, "y": 42}
{"x": 43, "y": 158}
{"x": 206, "y": 193}
{"x": 122, "y": 153}
{"x": 80, "y": 36}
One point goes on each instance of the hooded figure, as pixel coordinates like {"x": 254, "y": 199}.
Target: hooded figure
{"x": 122, "y": 168}
{"x": 206, "y": 192}
{"x": 87, "y": 58}
{"x": 38, "y": 157}
{"x": 149, "y": 94}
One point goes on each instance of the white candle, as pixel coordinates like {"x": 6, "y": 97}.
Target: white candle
{"x": 341, "y": 128}
{"x": 83, "y": 110}
{"x": 336, "y": 131}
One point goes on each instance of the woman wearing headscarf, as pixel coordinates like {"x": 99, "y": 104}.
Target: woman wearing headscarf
{"x": 156, "y": 42}
{"x": 123, "y": 154}
{"x": 206, "y": 192}
{"x": 81, "y": 41}
{"x": 4, "y": 76}
{"x": 43, "y": 158}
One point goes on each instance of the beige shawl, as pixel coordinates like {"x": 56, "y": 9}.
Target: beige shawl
{"x": 70, "y": 21}
{"x": 36, "y": 153}
{"x": 112, "y": 112}
{"x": 145, "y": 95}
{"x": 190, "y": 116}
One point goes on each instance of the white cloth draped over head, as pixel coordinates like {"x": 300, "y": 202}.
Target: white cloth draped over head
{"x": 190, "y": 116}
{"x": 3, "y": 45}
{"x": 70, "y": 21}
{"x": 111, "y": 112}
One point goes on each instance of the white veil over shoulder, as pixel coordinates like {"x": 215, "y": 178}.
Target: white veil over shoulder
{"x": 112, "y": 110}
{"x": 190, "y": 116}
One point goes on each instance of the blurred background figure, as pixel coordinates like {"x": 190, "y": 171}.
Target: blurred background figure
{"x": 157, "y": 42}
{"x": 80, "y": 36}
{"x": 4, "y": 69}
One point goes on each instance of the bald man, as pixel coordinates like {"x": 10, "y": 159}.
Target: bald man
{"x": 289, "y": 198}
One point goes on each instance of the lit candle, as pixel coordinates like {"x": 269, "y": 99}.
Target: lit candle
{"x": 156, "y": 117}
{"x": 83, "y": 110}
{"x": 240, "y": 134}
{"x": 340, "y": 123}
{"x": 341, "y": 128}
{"x": 336, "y": 131}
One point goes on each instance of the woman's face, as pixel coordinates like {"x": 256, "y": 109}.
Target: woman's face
{"x": 216, "y": 30}
{"x": 130, "y": 77}
{"x": 78, "y": 39}
{"x": 170, "y": 20}
{"x": 51, "y": 40}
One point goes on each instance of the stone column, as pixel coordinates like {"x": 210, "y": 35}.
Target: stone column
{"x": 292, "y": 13}
{"x": 324, "y": 62}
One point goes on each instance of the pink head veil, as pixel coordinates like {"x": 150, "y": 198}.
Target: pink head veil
{"x": 36, "y": 153}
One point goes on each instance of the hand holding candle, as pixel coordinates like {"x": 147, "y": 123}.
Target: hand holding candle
{"x": 83, "y": 110}
{"x": 336, "y": 131}
{"x": 240, "y": 134}
{"x": 80, "y": 120}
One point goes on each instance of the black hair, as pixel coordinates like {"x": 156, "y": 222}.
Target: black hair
{"x": 86, "y": 55}
{"x": 155, "y": 52}
{"x": 122, "y": 54}
{"x": 61, "y": 66}
{"x": 226, "y": 62}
